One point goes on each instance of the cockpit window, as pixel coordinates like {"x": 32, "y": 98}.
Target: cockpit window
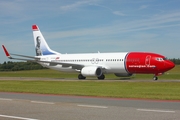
{"x": 164, "y": 58}
{"x": 160, "y": 59}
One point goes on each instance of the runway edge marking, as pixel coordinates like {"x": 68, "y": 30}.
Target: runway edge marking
{"x": 40, "y": 102}
{"x": 151, "y": 110}
{"x": 15, "y": 117}
{"x": 92, "y": 106}
{"x": 5, "y": 99}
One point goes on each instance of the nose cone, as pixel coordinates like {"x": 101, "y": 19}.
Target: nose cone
{"x": 169, "y": 65}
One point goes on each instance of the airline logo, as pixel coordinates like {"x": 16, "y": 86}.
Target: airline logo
{"x": 141, "y": 66}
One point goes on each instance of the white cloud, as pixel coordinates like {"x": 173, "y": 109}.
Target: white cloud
{"x": 99, "y": 25}
{"x": 143, "y": 7}
{"x": 155, "y": 22}
{"x": 76, "y": 5}
{"x": 118, "y": 13}
{"x": 10, "y": 8}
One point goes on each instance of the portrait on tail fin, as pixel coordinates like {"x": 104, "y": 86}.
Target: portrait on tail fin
{"x": 38, "y": 46}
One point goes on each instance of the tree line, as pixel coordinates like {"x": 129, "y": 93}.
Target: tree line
{"x": 176, "y": 61}
{"x": 17, "y": 66}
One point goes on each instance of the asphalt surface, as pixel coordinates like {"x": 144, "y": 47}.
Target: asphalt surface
{"x": 24, "y": 106}
{"x": 89, "y": 79}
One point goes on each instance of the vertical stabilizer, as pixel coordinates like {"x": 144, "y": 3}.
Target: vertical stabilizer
{"x": 41, "y": 47}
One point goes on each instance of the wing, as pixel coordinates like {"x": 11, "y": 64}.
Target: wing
{"x": 38, "y": 60}
{"x": 33, "y": 59}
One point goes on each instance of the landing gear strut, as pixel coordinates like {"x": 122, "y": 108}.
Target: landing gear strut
{"x": 155, "y": 78}
{"x": 101, "y": 77}
{"x": 81, "y": 77}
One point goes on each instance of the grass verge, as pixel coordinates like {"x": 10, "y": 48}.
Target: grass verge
{"x": 144, "y": 90}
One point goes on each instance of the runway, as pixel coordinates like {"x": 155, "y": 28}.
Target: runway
{"x": 90, "y": 79}
{"x": 24, "y": 106}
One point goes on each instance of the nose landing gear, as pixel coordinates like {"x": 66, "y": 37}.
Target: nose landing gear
{"x": 157, "y": 74}
{"x": 155, "y": 78}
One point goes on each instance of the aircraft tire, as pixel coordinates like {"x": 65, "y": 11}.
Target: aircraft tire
{"x": 81, "y": 77}
{"x": 102, "y": 77}
{"x": 155, "y": 78}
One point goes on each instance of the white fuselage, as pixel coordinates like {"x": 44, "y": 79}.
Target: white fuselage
{"x": 113, "y": 62}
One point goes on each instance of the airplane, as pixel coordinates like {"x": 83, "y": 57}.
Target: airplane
{"x": 122, "y": 64}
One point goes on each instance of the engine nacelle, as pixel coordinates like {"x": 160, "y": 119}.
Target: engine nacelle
{"x": 91, "y": 71}
{"x": 123, "y": 74}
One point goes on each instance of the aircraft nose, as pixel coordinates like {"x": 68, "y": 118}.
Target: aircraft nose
{"x": 170, "y": 65}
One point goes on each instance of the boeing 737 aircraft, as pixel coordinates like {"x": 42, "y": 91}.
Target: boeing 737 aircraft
{"x": 122, "y": 64}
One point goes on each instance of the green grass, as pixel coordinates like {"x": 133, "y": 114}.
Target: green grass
{"x": 146, "y": 90}
{"x": 120, "y": 89}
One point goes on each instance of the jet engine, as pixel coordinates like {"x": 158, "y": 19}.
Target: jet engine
{"x": 91, "y": 71}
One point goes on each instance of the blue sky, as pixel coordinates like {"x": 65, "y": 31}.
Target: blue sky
{"x": 80, "y": 26}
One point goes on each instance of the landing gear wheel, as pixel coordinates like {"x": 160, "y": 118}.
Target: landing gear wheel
{"x": 81, "y": 77}
{"x": 101, "y": 77}
{"x": 155, "y": 78}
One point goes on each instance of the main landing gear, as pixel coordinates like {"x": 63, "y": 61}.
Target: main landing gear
{"x": 101, "y": 77}
{"x": 81, "y": 77}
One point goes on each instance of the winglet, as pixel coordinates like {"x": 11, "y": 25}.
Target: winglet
{"x": 35, "y": 28}
{"x": 6, "y": 52}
